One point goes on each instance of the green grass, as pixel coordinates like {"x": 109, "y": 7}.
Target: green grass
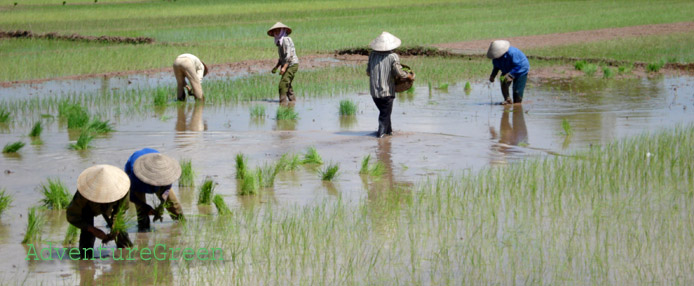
{"x": 587, "y": 68}
{"x": 221, "y": 206}
{"x": 55, "y": 194}
{"x": 12, "y": 147}
{"x": 258, "y": 111}
{"x": 35, "y": 222}
{"x": 36, "y": 130}
{"x": 286, "y": 113}
{"x": 607, "y": 72}
{"x": 609, "y": 216}
{"x": 206, "y": 191}
{"x": 4, "y": 115}
{"x": 312, "y": 157}
{"x": 241, "y": 166}
{"x": 83, "y": 141}
{"x": 329, "y": 173}
{"x": 210, "y": 29}
{"x": 655, "y": 67}
{"x": 566, "y": 126}
{"x": 72, "y": 235}
{"x": 347, "y": 107}
{"x": 5, "y": 201}
{"x": 187, "y": 178}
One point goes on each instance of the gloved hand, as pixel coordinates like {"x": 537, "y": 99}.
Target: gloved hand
{"x": 98, "y": 233}
{"x": 508, "y": 78}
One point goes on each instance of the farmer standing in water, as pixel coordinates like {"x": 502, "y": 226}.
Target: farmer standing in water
{"x": 187, "y": 66}
{"x": 288, "y": 62}
{"x": 514, "y": 67}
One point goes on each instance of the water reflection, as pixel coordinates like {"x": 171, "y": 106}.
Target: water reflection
{"x": 195, "y": 123}
{"x": 348, "y": 121}
{"x": 512, "y": 132}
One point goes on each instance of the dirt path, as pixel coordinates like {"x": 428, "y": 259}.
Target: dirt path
{"x": 561, "y": 39}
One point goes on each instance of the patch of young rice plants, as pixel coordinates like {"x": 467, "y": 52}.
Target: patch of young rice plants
{"x": 55, "y": 194}
{"x": 4, "y": 115}
{"x": 221, "y": 206}
{"x": 99, "y": 126}
{"x": 206, "y": 191}
{"x": 607, "y": 72}
{"x": 312, "y": 157}
{"x": 36, "y": 130}
{"x": 187, "y": 178}
{"x": 83, "y": 141}
{"x": 161, "y": 97}
{"x": 330, "y": 172}
{"x": 5, "y": 201}
{"x": 257, "y": 111}
{"x": 286, "y": 113}
{"x": 249, "y": 184}
{"x": 35, "y": 222}
{"x": 266, "y": 175}
{"x": 655, "y": 67}
{"x": 75, "y": 115}
{"x": 12, "y": 147}
{"x": 288, "y": 162}
{"x": 347, "y": 107}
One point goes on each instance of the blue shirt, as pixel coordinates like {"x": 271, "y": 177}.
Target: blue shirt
{"x": 135, "y": 184}
{"x": 513, "y": 62}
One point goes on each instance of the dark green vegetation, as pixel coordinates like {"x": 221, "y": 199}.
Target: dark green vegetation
{"x": 221, "y": 206}
{"x": 4, "y": 115}
{"x": 12, "y": 147}
{"x": 5, "y": 201}
{"x": 206, "y": 191}
{"x": 36, "y": 130}
{"x": 330, "y": 172}
{"x": 55, "y": 194}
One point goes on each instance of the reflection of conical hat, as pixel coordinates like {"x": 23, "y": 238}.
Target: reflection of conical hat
{"x": 497, "y": 49}
{"x": 157, "y": 169}
{"x": 279, "y": 25}
{"x": 103, "y": 183}
{"x": 385, "y": 42}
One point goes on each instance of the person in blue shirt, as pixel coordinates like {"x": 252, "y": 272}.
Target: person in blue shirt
{"x": 151, "y": 172}
{"x": 514, "y": 67}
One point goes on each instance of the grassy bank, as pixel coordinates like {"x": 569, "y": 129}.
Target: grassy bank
{"x": 614, "y": 215}
{"x": 221, "y": 31}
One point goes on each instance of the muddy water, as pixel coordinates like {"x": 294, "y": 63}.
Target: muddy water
{"x": 436, "y": 132}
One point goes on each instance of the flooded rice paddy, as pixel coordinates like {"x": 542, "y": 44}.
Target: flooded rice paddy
{"x": 437, "y": 131}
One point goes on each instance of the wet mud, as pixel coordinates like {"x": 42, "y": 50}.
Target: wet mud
{"x": 76, "y": 37}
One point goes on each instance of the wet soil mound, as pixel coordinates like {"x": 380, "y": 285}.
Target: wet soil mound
{"x": 76, "y": 37}
{"x": 403, "y": 51}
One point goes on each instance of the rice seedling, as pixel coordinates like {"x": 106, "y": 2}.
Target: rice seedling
{"x": 625, "y": 69}
{"x": 36, "y": 130}
{"x": 330, "y": 172}
{"x": 375, "y": 170}
{"x": 607, "y": 72}
{"x": 5, "y": 201}
{"x": 187, "y": 178}
{"x": 206, "y": 190}
{"x": 12, "y": 147}
{"x": 286, "y": 113}
{"x": 99, "y": 126}
{"x": 249, "y": 184}
{"x": 348, "y": 107}
{"x": 443, "y": 86}
{"x": 266, "y": 175}
{"x": 55, "y": 194}
{"x": 365, "y": 165}
{"x": 568, "y": 131}
{"x": 312, "y": 157}
{"x": 579, "y": 65}
{"x": 468, "y": 87}
{"x": 288, "y": 162}
{"x": 241, "y": 166}
{"x": 83, "y": 141}
{"x": 35, "y": 222}
{"x": 71, "y": 235}
{"x": 257, "y": 111}
{"x": 161, "y": 97}
{"x": 4, "y": 116}
{"x": 122, "y": 220}
{"x": 76, "y": 115}
{"x": 655, "y": 67}
{"x": 221, "y": 206}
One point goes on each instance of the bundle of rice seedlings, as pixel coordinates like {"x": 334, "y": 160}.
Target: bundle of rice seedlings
{"x": 76, "y": 115}
{"x": 249, "y": 184}
{"x": 221, "y": 206}
{"x": 5, "y": 201}
{"x": 241, "y": 166}
{"x": 83, "y": 142}
{"x": 187, "y": 178}
{"x": 206, "y": 190}
{"x": 288, "y": 162}
{"x": 12, "y": 147}
{"x": 365, "y": 165}
{"x": 71, "y": 235}
{"x": 330, "y": 172}
{"x": 99, "y": 126}
{"x": 122, "y": 220}
{"x": 4, "y": 116}
{"x": 266, "y": 175}
{"x": 312, "y": 157}
{"x": 161, "y": 97}
{"x": 286, "y": 113}
{"x": 36, "y": 130}
{"x": 55, "y": 195}
{"x": 35, "y": 222}
{"x": 348, "y": 107}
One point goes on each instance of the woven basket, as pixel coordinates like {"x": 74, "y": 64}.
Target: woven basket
{"x": 403, "y": 84}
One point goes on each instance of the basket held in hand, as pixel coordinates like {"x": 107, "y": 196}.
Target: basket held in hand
{"x": 403, "y": 84}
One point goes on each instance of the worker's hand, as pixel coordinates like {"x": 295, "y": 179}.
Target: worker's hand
{"x": 274, "y": 70}
{"x": 491, "y": 78}
{"x": 508, "y": 78}
{"x": 109, "y": 237}
{"x": 158, "y": 216}
{"x": 98, "y": 233}
{"x": 283, "y": 71}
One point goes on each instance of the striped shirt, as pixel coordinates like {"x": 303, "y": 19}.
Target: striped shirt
{"x": 382, "y": 69}
{"x": 287, "y": 52}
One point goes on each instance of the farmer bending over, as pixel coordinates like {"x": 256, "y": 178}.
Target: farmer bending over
{"x": 382, "y": 69}
{"x": 514, "y": 68}
{"x": 151, "y": 172}
{"x": 101, "y": 190}
{"x": 288, "y": 62}
{"x": 187, "y": 66}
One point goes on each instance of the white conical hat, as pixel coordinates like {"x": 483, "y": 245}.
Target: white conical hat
{"x": 497, "y": 49}
{"x": 279, "y": 25}
{"x": 385, "y": 42}
{"x": 103, "y": 183}
{"x": 157, "y": 169}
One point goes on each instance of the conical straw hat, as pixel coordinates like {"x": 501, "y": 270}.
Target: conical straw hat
{"x": 279, "y": 25}
{"x": 497, "y": 49}
{"x": 157, "y": 169}
{"x": 103, "y": 183}
{"x": 385, "y": 42}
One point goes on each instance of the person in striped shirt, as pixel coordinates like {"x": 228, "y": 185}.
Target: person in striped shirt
{"x": 288, "y": 62}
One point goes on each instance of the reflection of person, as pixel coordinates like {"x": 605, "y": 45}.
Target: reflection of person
{"x": 514, "y": 68}
{"x": 382, "y": 69}
{"x": 187, "y": 66}
{"x": 513, "y": 134}
{"x": 195, "y": 124}
{"x": 101, "y": 190}
{"x": 153, "y": 172}
{"x": 288, "y": 62}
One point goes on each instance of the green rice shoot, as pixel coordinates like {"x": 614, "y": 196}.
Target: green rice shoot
{"x": 221, "y": 206}
{"x": 35, "y": 222}
{"x": 312, "y": 157}
{"x": 288, "y": 162}
{"x": 12, "y": 147}
{"x": 241, "y": 166}
{"x": 347, "y": 107}
{"x": 607, "y": 72}
{"x": 365, "y": 165}
{"x": 257, "y": 111}
{"x": 122, "y": 220}
{"x": 99, "y": 126}
{"x": 206, "y": 191}
{"x": 36, "y": 130}
{"x": 266, "y": 175}
{"x": 330, "y": 172}
{"x": 378, "y": 169}
{"x": 5, "y": 201}
{"x": 161, "y": 97}
{"x": 566, "y": 126}
{"x": 72, "y": 235}
{"x": 187, "y": 178}
{"x": 286, "y": 113}
{"x": 4, "y": 116}
{"x": 83, "y": 141}
{"x": 249, "y": 184}
{"x": 55, "y": 194}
